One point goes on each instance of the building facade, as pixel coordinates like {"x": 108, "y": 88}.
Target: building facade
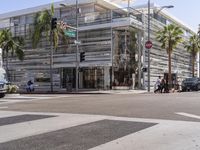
{"x": 112, "y": 42}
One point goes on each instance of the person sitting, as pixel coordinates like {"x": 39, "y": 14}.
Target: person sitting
{"x": 30, "y": 87}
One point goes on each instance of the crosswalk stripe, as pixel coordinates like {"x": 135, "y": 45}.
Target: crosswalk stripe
{"x": 188, "y": 115}
{"x": 165, "y": 135}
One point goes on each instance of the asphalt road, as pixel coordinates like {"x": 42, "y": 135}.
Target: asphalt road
{"x": 154, "y": 106}
{"x": 101, "y": 122}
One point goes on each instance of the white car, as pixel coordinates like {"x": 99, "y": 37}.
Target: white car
{"x": 3, "y": 82}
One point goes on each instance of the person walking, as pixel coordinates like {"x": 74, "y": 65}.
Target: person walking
{"x": 162, "y": 85}
{"x": 158, "y": 85}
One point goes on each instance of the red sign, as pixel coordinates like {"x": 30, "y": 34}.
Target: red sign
{"x": 148, "y": 44}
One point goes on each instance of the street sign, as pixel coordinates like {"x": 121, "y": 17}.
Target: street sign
{"x": 70, "y": 33}
{"x": 77, "y": 42}
{"x": 148, "y": 44}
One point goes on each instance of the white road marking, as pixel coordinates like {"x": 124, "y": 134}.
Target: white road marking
{"x": 28, "y": 98}
{"x": 188, "y": 115}
{"x": 166, "y": 135}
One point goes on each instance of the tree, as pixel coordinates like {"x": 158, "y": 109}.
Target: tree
{"x": 43, "y": 25}
{"x": 169, "y": 37}
{"x": 10, "y": 44}
{"x": 193, "y": 47}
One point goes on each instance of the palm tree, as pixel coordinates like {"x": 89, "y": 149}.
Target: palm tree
{"x": 169, "y": 37}
{"x": 10, "y": 44}
{"x": 193, "y": 47}
{"x": 42, "y": 25}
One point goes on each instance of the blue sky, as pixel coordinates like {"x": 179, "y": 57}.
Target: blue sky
{"x": 186, "y": 10}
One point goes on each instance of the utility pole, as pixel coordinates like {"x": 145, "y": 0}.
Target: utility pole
{"x": 149, "y": 41}
{"x": 77, "y": 48}
{"x": 198, "y": 33}
{"x": 149, "y": 48}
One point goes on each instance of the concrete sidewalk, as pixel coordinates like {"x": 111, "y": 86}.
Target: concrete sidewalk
{"x": 88, "y": 91}
{"x": 114, "y": 92}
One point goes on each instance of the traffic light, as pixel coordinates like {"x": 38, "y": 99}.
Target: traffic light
{"x": 82, "y": 56}
{"x": 144, "y": 69}
{"x": 53, "y": 23}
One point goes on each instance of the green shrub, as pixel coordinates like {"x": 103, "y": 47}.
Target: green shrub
{"x": 12, "y": 88}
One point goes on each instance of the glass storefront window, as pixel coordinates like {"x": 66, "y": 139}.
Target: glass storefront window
{"x": 93, "y": 78}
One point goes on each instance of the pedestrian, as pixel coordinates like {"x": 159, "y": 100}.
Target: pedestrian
{"x": 162, "y": 85}
{"x": 158, "y": 85}
{"x": 166, "y": 88}
{"x": 179, "y": 84}
{"x": 30, "y": 87}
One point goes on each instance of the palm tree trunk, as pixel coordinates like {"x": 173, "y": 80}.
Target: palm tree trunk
{"x": 7, "y": 71}
{"x": 193, "y": 59}
{"x": 169, "y": 69}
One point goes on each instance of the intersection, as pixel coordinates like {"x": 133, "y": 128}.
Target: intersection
{"x": 101, "y": 121}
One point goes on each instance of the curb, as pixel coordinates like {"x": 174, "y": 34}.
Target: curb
{"x": 12, "y": 95}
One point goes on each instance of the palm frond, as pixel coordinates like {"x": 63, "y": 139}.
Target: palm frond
{"x": 193, "y": 45}
{"x": 42, "y": 26}
{"x": 52, "y": 10}
{"x": 169, "y": 37}
{"x": 20, "y": 53}
{"x": 11, "y": 44}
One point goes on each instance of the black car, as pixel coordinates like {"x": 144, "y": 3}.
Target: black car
{"x": 191, "y": 84}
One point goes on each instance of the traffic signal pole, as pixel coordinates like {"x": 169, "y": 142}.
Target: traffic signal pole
{"x": 53, "y": 26}
{"x": 77, "y": 44}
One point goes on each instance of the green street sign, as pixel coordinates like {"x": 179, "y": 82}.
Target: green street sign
{"x": 70, "y": 33}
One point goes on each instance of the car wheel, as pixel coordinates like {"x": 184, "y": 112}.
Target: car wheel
{"x": 183, "y": 90}
{"x": 2, "y": 95}
{"x": 198, "y": 87}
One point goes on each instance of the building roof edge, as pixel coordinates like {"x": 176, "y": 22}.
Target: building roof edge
{"x": 167, "y": 15}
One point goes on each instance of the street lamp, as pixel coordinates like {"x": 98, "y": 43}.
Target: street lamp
{"x": 148, "y": 28}
{"x": 148, "y": 38}
{"x": 198, "y": 33}
{"x": 163, "y": 7}
{"x": 76, "y": 43}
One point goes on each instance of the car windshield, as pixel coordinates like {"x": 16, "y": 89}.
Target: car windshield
{"x": 3, "y": 77}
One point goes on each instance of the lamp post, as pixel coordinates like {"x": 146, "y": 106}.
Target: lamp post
{"x": 148, "y": 38}
{"x": 198, "y": 33}
{"x": 161, "y": 8}
{"x": 77, "y": 48}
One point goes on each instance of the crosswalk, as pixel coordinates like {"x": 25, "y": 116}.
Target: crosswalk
{"x": 60, "y": 131}
{"x": 16, "y": 98}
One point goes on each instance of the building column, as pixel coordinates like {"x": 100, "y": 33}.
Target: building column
{"x": 106, "y": 77}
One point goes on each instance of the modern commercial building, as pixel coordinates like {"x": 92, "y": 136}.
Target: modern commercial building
{"x": 111, "y": 47}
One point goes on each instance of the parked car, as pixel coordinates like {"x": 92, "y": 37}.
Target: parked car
{"x": 3, "y": 82}
{"x": 191, "y": 84}
{"x": 3, "y": 78}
